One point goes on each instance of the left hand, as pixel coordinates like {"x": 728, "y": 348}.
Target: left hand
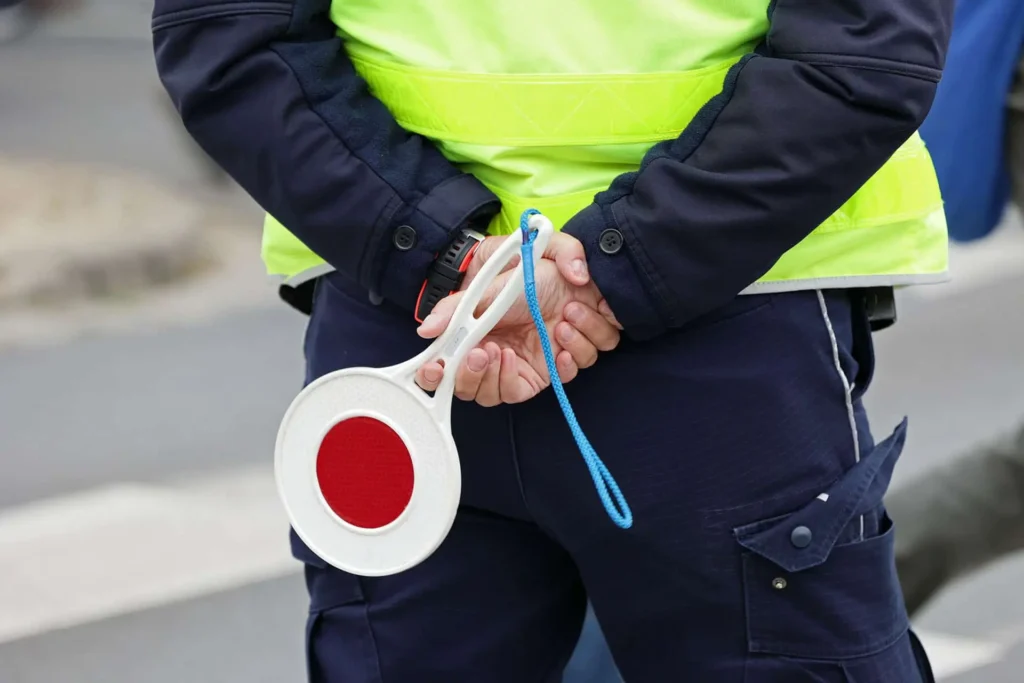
{"x": 509, "y": 366}
{"x": 584, "y": 331}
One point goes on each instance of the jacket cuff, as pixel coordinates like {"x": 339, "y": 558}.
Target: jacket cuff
{"x": 413, "y": 236}
{"x": 612, "y": 262}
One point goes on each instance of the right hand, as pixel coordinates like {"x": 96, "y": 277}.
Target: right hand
{"x": 509, "y": 365}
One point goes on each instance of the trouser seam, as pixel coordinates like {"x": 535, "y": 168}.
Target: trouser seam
{"x": 369, "y": 630}
{"x": 847, "y": 388}
{"x": 515, "y": 465}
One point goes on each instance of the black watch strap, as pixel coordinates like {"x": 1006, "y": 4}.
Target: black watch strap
{"x": 447, "y": 272}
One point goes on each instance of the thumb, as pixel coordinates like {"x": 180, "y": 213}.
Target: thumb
{"x": 568, "y": 254}
{"x": 439, "y": 319}
{"x": 436, "y": 323}
{"x": 484, "y": 252}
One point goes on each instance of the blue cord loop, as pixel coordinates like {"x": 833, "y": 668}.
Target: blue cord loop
{"x": 607, "y": 489}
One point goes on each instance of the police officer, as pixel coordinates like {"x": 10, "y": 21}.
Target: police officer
{"x": 739, "y": 186}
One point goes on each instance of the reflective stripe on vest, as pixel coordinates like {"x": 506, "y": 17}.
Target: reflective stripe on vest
{"x": 521, "y": 134}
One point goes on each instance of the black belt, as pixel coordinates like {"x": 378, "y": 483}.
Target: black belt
{"x": 299, "y": 297}
{"x": 880, "y": 305}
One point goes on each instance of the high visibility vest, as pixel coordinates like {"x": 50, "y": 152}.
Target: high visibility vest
{"x": 547, "y": 102}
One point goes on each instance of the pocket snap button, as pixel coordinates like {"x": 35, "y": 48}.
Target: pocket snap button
{"x": 801, "y": 537}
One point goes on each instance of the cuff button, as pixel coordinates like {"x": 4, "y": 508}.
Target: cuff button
{"x": 610, "y": 241}
{"x": 404, "y": 238}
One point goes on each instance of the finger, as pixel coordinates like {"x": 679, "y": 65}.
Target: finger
{"x": 580, "y": 349}
{"x": 593, "y": 326}
{"x": 436, "y": 323}
{"x": 512, "y": 262}
{"x": 567, "y": 368}
{"x": 429, "y": 376}
{"x": 568, "y": 254}
{"x": 604, "y": 309}
{"x": 481, "y": 255}
{"x": 439, "y": 319}
{"x": 487, "y": 248}
{"x": 514, "y": 389}
{"x": 489, "y": 393}
{"x": 470, "y": 374}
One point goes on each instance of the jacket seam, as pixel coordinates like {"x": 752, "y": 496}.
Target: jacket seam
{"x": 641, "y": 261}
{"x": 657, "y": 287}
{"x": 433, "y": 191}
{"x": 341, "y": 140}
{"x": 219, "y": 11}
{"x": 371, "y": 258}
{"x": 863, "y": 63}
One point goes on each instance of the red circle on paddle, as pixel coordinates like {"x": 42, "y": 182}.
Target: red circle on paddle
{"x": 365, "y": 472}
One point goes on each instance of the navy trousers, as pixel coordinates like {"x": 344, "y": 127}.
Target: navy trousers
{"x": 760, "y": 551}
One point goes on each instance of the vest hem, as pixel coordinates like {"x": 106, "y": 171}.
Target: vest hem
{"x": 847, "y": 282}
{"x": 772, "y": 287}
{"x": 306, "y": 275}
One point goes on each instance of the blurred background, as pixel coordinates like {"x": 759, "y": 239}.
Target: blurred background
{"x": 145, "y": 363}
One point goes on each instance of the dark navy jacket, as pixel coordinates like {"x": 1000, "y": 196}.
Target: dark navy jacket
{"x": 833, "y": 91}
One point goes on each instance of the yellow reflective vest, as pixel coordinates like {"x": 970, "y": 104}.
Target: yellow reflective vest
{"x": 547, "y": 115}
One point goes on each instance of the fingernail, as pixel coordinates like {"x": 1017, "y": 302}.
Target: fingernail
{"x": 433, "y": 374}
{"x": 604, "y": 309}
{"x": 477, "y": 361}
{"x": 579, "y": 268}
{"x": 573, "y": 313}
{"x": 566, "y": 333}
{"x": 429, "y": 320}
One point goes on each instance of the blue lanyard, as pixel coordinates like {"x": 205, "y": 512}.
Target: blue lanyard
{"x": 607, "y": 489}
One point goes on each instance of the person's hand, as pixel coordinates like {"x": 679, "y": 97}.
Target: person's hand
{"x": 509, "y": 365}
{"x": 583, "y": 333}
{"x": 565, "y": 250}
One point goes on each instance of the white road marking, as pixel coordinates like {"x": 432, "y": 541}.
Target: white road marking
{"x": 125, "y": 547}
{"x": 128, "y": 547}
{"x": 953, "y": 655}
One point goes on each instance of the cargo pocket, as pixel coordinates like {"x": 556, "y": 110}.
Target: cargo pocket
{"x": 840, "y": 621}
{"x": 823, "y": 604}
{"x": 848, "y": 606}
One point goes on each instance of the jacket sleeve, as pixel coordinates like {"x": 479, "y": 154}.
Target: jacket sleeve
{"x": 266, "y": 88}
{"x": 831, "y": 93}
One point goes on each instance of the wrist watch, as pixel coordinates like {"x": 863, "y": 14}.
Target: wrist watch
{"x": 447, "y": 272}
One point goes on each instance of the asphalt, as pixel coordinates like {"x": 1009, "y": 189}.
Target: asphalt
{"x": 147, "y": 406}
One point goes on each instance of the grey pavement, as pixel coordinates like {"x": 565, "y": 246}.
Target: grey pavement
{"x": 251, "y": 635}
{"x": 146, "y": 406}
{"x": 85, "y": 89}
{"x": 1008, "y": 670}
{"x": 88, "y": 100}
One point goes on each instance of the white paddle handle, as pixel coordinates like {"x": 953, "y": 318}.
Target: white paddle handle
{"x": 465, "y": 330}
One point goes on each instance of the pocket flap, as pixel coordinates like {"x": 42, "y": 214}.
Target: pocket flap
{"x": 805, "y": 538}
